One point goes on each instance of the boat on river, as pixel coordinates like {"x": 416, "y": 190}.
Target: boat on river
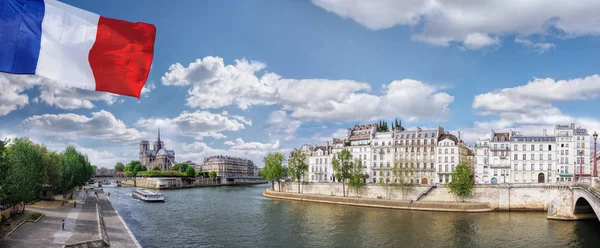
{"x": 147, "y": 195}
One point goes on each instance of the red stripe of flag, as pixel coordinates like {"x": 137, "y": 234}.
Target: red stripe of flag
{"x": 121, "y": 56}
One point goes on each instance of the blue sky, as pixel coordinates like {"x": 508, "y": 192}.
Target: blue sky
{"x": 307, "y": 70}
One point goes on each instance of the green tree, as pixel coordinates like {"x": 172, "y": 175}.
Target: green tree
{"x": 342, "y": 167}
{"x": 297, "y": 166}
{"x": 119, "y": 167}
{"x": 273, "y": 170}
{"x": 401, "y": 177}
{"x": 212, "y": 175}
{"x": 357, "y": 177}
{"x": 181, "y": 167}
{"x": 155, "y": 168}
{"x": 23, "y": 172}
{"x": 190, "y": 172}
{"x": 51, "y": 172}
{"x": 103, "y": 171}
{"x": 461, "y": 184}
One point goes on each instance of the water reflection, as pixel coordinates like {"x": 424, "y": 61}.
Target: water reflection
{"x": 241, "y": 217}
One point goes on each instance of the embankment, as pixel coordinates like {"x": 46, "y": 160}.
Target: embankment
{"x": 178, "y": 182}
{"x": 380, "y": 203}
{"x": 509, "y": 197}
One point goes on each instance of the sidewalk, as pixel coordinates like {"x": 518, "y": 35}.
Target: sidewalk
{"x": 80, "y": 225}
{"x": 118, "y": 232}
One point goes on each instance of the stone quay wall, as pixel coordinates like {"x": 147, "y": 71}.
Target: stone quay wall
{"x": 178, "y": 182}
{"x": 509, "y": 197}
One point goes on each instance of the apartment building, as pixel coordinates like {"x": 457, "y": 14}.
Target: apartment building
{"x": 451, "y": 151}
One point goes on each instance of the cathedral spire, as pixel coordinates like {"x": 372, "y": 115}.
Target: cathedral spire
{"x": 159, "y": 134}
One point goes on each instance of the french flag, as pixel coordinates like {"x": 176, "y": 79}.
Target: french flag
{"x": 74, "y": 47}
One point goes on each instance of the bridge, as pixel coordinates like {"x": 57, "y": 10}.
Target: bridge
{"x": 582, "y": 201}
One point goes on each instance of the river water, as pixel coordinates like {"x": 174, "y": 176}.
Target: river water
{"x": 242, "y": 217}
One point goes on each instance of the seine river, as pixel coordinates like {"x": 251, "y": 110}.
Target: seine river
{"x": 242, "y": 217}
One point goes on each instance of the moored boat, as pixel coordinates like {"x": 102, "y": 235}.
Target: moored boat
{"x": 147, "y": 195}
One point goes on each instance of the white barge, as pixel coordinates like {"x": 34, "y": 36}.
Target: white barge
{"x": 147, "y": 195}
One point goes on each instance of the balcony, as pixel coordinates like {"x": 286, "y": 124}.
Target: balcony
{"x": 493, "y": 166}
{"x": 499, "y": 149}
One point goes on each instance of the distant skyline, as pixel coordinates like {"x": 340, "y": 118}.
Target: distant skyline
{"x": 245, "y": 78}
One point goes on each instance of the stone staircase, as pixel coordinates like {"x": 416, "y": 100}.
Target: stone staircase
{"x": 431, "y": 187}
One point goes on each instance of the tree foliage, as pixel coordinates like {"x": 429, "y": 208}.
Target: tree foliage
{"x": 154, "y": 173}
{"x": 134, "y": 167}
{"x": 397, "y": 125}
{"x": 462, "y": 183}
{"x": 357, "y": 178}
{"x": 342, "y": 167}
{"x": 22, "y": 172}
{"x": 103, "y": 171}
{"x": 190, "y": 172}
{"x": 273, "y": 170}
{"x": 297, "y": 166}
{"x": 119, "y": 167}
{"x": 382, "y": 126}
{"x": 212, "y": 174}
{"x": 76, "y": 169}
{"x": 155, "y": 168}
{"x": 181, "y": 167}
{"x": 401, "y": 176}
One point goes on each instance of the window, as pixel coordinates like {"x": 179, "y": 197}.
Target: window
{"x": 376, "y": 143}
{"x": 532, "y": 167}
{"x": 516, "y": 149}
{"x": 388, "y": 164}
{"x": 549, "y": 156}
{"x": 445, "y": 168}
{"x": 549, "y": 147}
{"x": 495, "y": 146}
{"x": 541, "y": 156}
{"x": 451, "y": 159}
{"x": 516, "y": 157}
{"x": 446, "y": 151}
{"x": 374, "y": 157}
{"x": 432, "y": 166}
{"x": 524, "y": 156}
{"x": 440, "y": 151}
{"x": 440, "y": 168}
{"x": 532, "y": 158}
{"x": 541, "y": 147}
{"x": 524, "y": 148}
{"x": 541, "y": 166}
{"x": 452, "y": 150}
{"x": 524, "y": 167}
{"x": 516, "y": 167}
{"x": 374, "y": 173}
{"x": 533, "y": 147}
{"x": 567, "y": 152}
{"x": 445, "y": 159}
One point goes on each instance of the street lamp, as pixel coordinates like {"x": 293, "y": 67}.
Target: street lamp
{"x": 595, "y": 162}
{"x": 580, "y": 164}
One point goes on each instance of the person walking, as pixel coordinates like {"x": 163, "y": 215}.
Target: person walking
{"x": 63, "y": 224}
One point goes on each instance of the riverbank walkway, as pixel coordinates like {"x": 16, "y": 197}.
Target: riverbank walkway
{"x": 81, "y": 224}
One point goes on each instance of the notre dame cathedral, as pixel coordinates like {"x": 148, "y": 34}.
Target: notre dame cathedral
{"x": 159, "y": 156}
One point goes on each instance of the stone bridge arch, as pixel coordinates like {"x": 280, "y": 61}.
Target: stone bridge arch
{"x": 586, "y": 203}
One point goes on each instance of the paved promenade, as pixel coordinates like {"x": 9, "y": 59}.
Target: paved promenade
{"x": 119, "y": 234}
{"x": 81, "y": 224}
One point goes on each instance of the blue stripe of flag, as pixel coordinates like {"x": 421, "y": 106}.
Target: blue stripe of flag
{"x": 20, "y": 35}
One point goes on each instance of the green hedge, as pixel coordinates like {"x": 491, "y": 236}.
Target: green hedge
{"x": 35, "y": 215}
{"x": 160, "y": 174}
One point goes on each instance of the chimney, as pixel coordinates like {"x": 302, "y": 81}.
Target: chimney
{"x": 458, "y": 136}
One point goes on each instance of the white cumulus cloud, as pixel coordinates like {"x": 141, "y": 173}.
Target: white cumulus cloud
{"x": 197, "y": 124}
{"x": 214, "y": 85}
{"x": 472, "y": 24}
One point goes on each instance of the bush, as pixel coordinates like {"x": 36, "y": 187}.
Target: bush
{"x": 154, "y": 173}
{"x": 35, "y": 215}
